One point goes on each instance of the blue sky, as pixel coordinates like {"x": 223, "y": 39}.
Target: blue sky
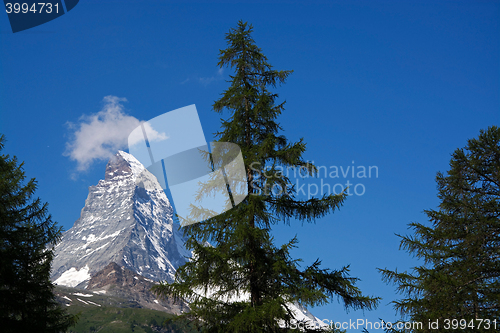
{"x": 397, "y": 85}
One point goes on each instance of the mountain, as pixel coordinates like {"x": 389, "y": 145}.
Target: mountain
{"x": 98, "y": 311}
{"x": 124, "y": 242}
{"x": 118, "y": 286}
{"x": 118, "y": 281}
{"x": 127, "y": 219}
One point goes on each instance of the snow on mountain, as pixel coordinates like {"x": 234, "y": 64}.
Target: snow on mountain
{"x": 300, "y": 313}
{"x": 127, "y": 219}
{"x": 73, "y": 277}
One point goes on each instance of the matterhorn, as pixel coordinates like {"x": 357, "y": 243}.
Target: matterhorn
{"x": 127, "y": 219}
{"x": 124, "y": 242}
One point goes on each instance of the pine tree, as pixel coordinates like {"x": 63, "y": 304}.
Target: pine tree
{"x": 460, "y": 275}
{"x": 242, "y": 258}
{"x": 27, "y": 234}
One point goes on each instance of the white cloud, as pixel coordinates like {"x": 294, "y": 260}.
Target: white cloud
{"x": 99, "y": 136}
{"x": 152, "y": 134}
{"x": 137, "y": 136}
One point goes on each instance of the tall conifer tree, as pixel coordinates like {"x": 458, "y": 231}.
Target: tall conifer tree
{"x": 253, "y": 281}
{"x": 460, "y": 275}
{"x": 27, "y": 234}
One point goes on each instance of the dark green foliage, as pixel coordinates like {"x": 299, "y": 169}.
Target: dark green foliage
{"x": 27, "y": 235}
{"x": 107, "y": 319}
{"x": 243, "y": 261}
{"x": 460, "y": 275}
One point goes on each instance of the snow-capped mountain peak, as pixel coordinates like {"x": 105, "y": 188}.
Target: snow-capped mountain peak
{"x": 126, "y": 219}
{"x": 123, "y": 165}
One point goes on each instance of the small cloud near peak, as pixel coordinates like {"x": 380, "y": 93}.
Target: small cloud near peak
{"x": 98, "y": 136}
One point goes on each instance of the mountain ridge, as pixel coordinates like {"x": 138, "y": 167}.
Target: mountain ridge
{"x": 127, "y": 219}
{"x": 126, "y": 227}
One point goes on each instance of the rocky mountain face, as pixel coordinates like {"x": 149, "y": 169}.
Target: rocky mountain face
{"x": 124, "y": 242}
{"x": 100, "y": 311}
{"x": 127, "y": 219}
{"x": 118, "y": 281}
